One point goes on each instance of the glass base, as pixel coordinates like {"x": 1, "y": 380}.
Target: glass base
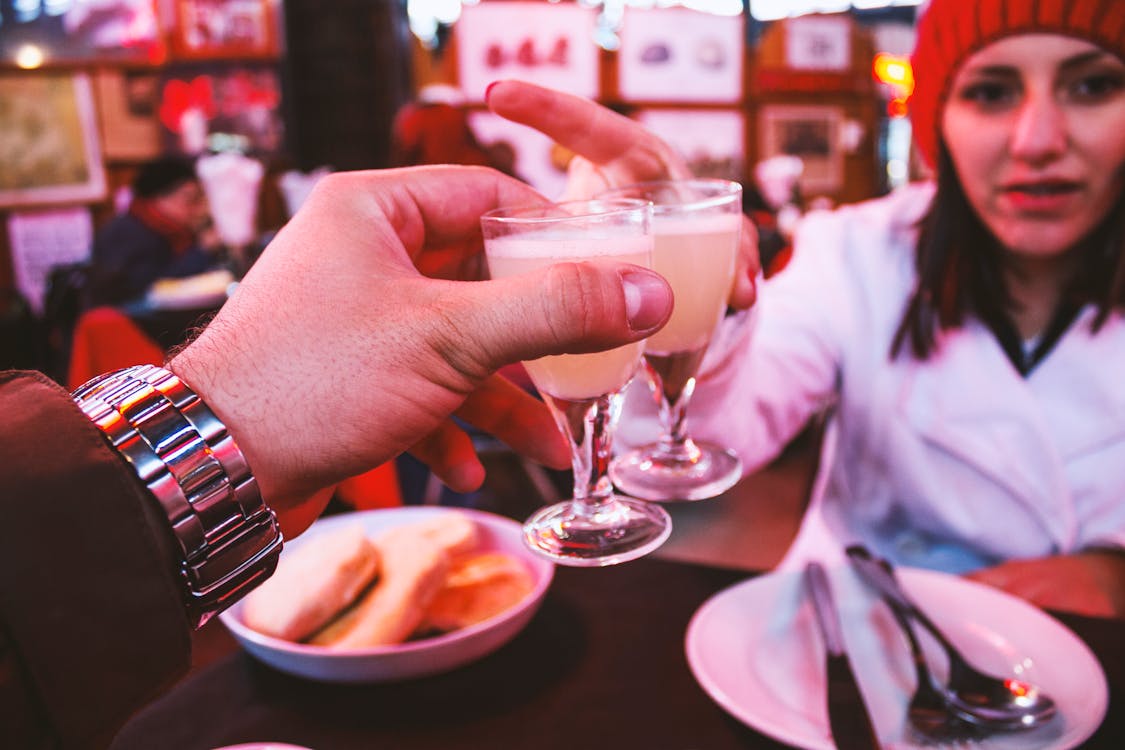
{"x": 621, "y": 530}
{"x": 653, "y": 473}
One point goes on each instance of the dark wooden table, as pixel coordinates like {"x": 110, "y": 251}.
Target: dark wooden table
{"x": 601, "y": 667}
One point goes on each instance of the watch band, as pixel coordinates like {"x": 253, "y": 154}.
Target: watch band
{"x": 229, "y": 537}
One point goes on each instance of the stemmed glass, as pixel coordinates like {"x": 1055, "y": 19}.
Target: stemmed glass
{"x": 697, "y": 225}
{"x": 583, "y": 391}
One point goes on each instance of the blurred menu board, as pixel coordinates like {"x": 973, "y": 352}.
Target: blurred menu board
{"x": 37, "y": 33}
{"x": 42, "y": 240}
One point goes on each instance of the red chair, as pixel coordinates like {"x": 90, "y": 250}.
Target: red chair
{"x": 105, "y": 339}
{"x": 378, "y": 488}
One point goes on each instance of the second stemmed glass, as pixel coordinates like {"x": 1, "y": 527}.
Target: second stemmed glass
{"x": 583, "y": 391}
{"x": 697, "y": 224}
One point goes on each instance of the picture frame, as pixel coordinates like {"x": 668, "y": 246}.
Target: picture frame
{"x": 544, "y": 43}
{"x": 224, "y": 29}
{"x": 681, "y": 55}
{"x": 221, "y": 106}
{"x": 810, "y": 132}
{"x": 65, "y": 34}
{"x": 49, "y": 148}
{"x": 712, "y": 142}
{"x": 127, "y": 113}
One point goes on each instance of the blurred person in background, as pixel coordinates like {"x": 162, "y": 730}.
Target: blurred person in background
{"x": 166, "y": 232}
{"x": 773, "y": 202}
{"x": 969, "y": 334}
{"x": 435, "y": 129}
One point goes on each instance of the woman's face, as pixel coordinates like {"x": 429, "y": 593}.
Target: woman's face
{"x": 1035, "y": 125}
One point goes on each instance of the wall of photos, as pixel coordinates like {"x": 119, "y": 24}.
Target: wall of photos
{"x": 89, "y": 89}
{"x": 689, "y": 76}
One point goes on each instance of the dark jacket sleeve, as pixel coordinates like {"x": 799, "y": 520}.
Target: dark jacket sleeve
{"x": 193, "y": 260}
{"x": 126, "y": 258}
{"x": 92, "y": 623}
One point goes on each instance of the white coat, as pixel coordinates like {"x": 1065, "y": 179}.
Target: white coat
{"x": 953, "y": 463}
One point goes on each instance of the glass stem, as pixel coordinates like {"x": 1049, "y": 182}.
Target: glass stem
{"x": 588, "y": 425}
{"x": 674, "y": 438}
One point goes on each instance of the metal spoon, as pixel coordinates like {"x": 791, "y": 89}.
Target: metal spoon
{"x": 995, "y": 702}
{"x": 932, "y": 719}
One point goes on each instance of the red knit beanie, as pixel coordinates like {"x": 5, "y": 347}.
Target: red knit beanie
{"x": 951, "y": 30}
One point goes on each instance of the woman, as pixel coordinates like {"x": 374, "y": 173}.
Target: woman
{"x": 969, "y": 335}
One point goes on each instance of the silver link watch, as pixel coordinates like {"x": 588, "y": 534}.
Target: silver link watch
{"x": 229, "y": 537}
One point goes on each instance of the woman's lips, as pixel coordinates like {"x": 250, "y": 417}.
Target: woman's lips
{"x": 1047, "y": 196}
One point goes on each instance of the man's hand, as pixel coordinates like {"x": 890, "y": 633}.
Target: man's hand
{"x": 336, "y": 353}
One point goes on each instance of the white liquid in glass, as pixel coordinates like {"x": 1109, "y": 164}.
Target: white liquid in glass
{"x": 573, "y": 377}
{"x": 696, "y": 254}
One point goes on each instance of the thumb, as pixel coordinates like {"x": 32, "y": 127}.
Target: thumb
{"x": 568, "y": 308}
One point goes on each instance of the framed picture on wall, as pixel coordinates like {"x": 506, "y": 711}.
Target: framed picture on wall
{"x": 209, "y": 29}
{"x": 711, "y": 141}
{"x": 43, "y": 34}
{"x": 49, "y": 150}
{"x": 127, "y": 112}
{"x": 221, "y": 106}
{"x": 809, "y": 132}
{"x": 680, "y": 55}
{"x": 546, "y": 43}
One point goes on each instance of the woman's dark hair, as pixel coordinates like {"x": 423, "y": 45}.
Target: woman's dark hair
{"x": 162, "y": 176}
{"x": 959, "y": 267}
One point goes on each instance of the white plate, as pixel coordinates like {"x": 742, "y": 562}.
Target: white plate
{"x": 415, "y": 658}
{"x": 755, "y": 649}
{"x": 208, "y": 289}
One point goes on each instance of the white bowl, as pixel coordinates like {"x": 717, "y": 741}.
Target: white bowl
{"x": 414, "y": 658}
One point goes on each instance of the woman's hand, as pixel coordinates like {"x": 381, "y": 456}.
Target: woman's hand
{"x": 611, "y": 150}
{"x": 1088, "y": 583}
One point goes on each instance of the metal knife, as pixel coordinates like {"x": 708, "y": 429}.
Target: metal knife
{"x": 848, "y": 719}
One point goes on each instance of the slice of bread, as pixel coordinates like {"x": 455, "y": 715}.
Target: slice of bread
{"x": 478, "y": 587}
{"x": 312, "y": 584}
{"x": 453, "y": 532}
{"x": 415, "y": 562}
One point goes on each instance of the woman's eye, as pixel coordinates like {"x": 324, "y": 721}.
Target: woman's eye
{"x": 989, "y": 94}
{"x": 1097, "y": 87}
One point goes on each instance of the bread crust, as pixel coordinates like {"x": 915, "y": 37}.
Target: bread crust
{"x": 415, "y": 562}
{"x": 478, "y": 587}
{"x": 312, "y": 584}
{"x": 343, "y": 590}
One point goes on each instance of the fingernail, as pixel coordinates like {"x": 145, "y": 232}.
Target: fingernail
{"x": 488, "y": 90}
{"x": 648, "y": 300}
